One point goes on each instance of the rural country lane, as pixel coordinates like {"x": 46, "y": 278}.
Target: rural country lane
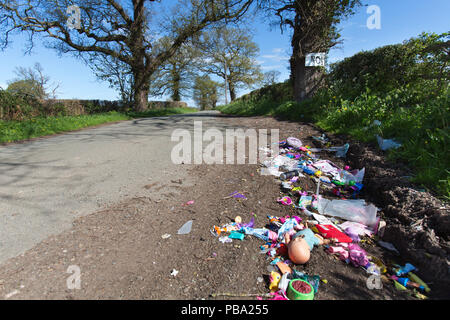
{"x": 47, "y": 183}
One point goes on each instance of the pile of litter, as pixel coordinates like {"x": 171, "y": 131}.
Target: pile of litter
{"x": 338, "y": 224}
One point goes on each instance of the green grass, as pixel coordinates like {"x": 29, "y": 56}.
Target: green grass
{"x": 11, "y": 131}
{"x": 161, "y": 112}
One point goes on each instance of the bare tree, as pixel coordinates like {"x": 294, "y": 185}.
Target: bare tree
{"x": 271, "y": 77}
{"x": 123, "y": 30}
{"x": 34, "y": 77}
{"x": 117, "y": 73}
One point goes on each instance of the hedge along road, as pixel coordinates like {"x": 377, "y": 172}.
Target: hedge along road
{"x": 46, "y": 183}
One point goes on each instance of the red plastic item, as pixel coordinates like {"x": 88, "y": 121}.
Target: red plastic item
{"x": 331, "y": 232}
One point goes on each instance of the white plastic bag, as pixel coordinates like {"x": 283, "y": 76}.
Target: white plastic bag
{"x": 351, "y": 210}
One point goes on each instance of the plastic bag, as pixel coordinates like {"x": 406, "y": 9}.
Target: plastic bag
{"x": 341, "y": 152}
{"x": 386, "y": 144}
{"x": 351, "y": 210}
{"x": 356, "y": 175}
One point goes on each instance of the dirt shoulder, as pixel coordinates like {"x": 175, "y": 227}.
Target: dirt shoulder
{"x": 122, "y": 254}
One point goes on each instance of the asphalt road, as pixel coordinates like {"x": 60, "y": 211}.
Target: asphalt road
{"x": 45, "y": 184}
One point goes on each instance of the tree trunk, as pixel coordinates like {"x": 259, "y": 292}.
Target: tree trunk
{"x": 176, "y": 95}
{"x": 141, "y": 88}
{"x": 232, "y": 91}
{"x": 141, "y": 78}
{"x": 305, "y": 80}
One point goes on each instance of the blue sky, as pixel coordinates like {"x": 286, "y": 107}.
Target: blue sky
{"x": 400, "y": 20}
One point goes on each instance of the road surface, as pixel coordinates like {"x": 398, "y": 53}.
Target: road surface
{"x": 45, "y": 184}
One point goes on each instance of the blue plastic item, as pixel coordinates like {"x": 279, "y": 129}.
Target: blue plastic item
{"x": 404, "y": 270}
{"x": 236, "y": 235}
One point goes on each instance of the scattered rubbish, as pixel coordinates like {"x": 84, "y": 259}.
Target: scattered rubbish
{"x": 294, "y": 142}
{"x": 287, "y": 201}
{"x": 12, "y": 293}
{"x": 165, "y": 236}
{"x": 174, "y": 273}
{"x": 415, "y": 278}
{"x": 270, "y": 268}
{"x": 225, "y": 239}
{"x": 300, "y": 290}
{"x": 275, "y": 278}
{"x": 341, "y": 152}
{"x": 305, "y": 201}
{"x": 284, "y": 268}
{"x": 236, "y": 235}
{"x": 388, "y": 246}
{"x": 342, "y": 225}
{"x": 386, "y": 144}
{"x": 290, "y": 174}
{"x": 284, "y": 282}
{"x": 237, "y": 195}
{"x": 322, "y": 139}
{"x": 406, "y": 283}
{"x": 186, "y": 228}
{"x": 225, "y": 294}
{"x": 405, "y": 270}
{"x": 331, "y": 232}
{"x": 189, "y": 203}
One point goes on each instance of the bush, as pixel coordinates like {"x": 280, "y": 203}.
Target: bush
{"x": 17, "y": 106}
{"x": 405, "y": 86}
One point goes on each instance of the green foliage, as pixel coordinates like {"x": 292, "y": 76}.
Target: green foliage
{"x": 263, "y": 101}
{"x": 232, "y": 55}
{"x": 17, "y": 105}
{"x": 416, "y": 62}
{"x": 41, "y": 126}
{"x": 405, "y": 86}
{"x": 27, "y": 87}
{"x": 205, "y": 92}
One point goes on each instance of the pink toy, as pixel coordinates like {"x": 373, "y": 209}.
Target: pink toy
{"x": 285, "y": 200}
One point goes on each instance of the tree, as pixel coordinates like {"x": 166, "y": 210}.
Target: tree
{"x": 33, "y": 82}
{"x": 122, "y": 30}
{"x": 271, "y": 77}
{"x": 314, "y": 26}
{"x": 176, "y": 75}
{"x": 205, "y": 92}
{"x": 231, "y": 54}
{"x": 117, "y": 73}
{"x": 30, "y": 88}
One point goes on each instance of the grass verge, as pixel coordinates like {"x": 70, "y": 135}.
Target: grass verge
{"x": 11, "y": 131}
{"x": 411, "y": 116}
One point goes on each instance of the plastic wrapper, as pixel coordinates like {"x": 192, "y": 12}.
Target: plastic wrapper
{"x": 351, "y": 210}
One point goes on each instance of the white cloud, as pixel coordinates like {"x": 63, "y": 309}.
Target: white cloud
{"x": 275, "y": 67}
{"x": 275, "y": 57}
